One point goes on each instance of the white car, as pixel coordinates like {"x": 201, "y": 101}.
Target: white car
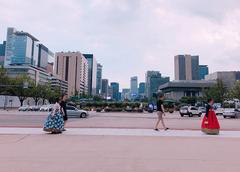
{"x": 23, "y": 108}
{"x": 190, "y": 111}
{"x": 231, "y": 113}
{"x": 74, "y": 112}
{"x": 219, "y": 111}
{"x": 47, "y": 108}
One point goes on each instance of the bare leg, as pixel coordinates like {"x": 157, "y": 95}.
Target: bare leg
{"x": 158, "y": 121}
{"x": 163, "y": 124}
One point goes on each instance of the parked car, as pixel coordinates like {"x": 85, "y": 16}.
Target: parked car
{"x": 74, "y": 112}
{"x": 190, "y": 111}
{"x": 47, "y": 108}
{"x": 23, "y": 108}
{"x": 202, "y": 109}
{"x": 231, "y": 113}
{"x": 34, "y": 108}
{"x": 219, "y": 111}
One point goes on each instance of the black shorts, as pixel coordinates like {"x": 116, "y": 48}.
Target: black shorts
{"x": 65, "y": 117}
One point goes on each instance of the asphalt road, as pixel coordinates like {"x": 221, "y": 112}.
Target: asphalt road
{"x": 113, "y": 120}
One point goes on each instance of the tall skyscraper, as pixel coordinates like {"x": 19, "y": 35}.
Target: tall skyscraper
{"x": 92, "y": 74}
{"x": 126, "y": 94}
{"x": 115, "y": 91}
{"x": 141, "y": 89}
{"x": 203, "y": 71}
{"x": 2, "y": 48}
{"x": 186, "y": 67}
{"x": 105, "y": 88}
{"x": 24, "y": 49}
{"x": 2, "y": 53}
{"x": 73, "y": 68}
{"x": 44, "y": 54}
{"x": 99, "y": 78}
{"x": 153, "y": 80}
{"x": 134, "y": 87}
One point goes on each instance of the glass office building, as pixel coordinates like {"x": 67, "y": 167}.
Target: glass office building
{"x": 154, "y": 80}
{"x": 24, "y": 49}
{"x": 203, "y": 71}
{"x": 134, "y": 87}
{"x": 92, "y": 74}
{"x": 2, "y": 53}
{"x": 141, "y": 89}
{"x": 99, "y": 78}
{"x": 115, "y": 91}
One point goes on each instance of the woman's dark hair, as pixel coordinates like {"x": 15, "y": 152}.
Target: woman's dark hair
{"x": 64, "y": 95}
{"x": 161, "y": 95}
{"x": 209, "y": 99}
{"x": 57, "y": 99}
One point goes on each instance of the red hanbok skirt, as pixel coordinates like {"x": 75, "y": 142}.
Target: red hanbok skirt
{"x": 210, "y": 125}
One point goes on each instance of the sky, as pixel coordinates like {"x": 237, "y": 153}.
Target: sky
{"x": 129, "y": 37}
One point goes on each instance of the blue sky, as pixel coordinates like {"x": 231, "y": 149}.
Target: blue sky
{"x": 129, "y": 37}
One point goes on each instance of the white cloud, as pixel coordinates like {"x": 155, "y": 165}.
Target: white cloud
{"x": 130, "y": 37}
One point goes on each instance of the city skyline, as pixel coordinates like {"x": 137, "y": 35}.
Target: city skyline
{"x": 100, "y": 27}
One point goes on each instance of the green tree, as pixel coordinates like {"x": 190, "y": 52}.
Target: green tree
{"x": 4, "y": 81}
{"x": 18, "y": 88}
{"x": 188, "y": 100}
{"x": 217, "y": 92}
{"x": 53, "y": 94}
{"x": 37, "y": 92}
{"x": 235, "y": 91}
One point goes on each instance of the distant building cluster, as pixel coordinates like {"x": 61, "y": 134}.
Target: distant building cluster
{"x": 73, "y": 72}
{"x": 76, "y": 73}
{"x": 191, "y": 79}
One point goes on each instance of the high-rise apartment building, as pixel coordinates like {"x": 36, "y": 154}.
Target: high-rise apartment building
{"x": 99, "y": 78}
{"x": 154, "y": 79}
{"x": 73, "y": 68}
{"x": 186, "y": 67}
{"x": 92, "y": 74}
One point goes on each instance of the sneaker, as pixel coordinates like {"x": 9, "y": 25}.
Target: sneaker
{"x": 156, "y": 129}
{"x": 166, "y": 129}
{"x": 64, "y": 129}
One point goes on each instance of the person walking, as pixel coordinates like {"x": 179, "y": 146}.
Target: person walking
{"x": 160, "y": 113}
{"x": 54, "y": 122}
{"x": 210, "y": 124}
{"x": 63, "y": 105}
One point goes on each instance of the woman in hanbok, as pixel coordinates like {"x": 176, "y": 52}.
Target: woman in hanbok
{"x": 210, "y": 124}
{"x": 54, "y": 122}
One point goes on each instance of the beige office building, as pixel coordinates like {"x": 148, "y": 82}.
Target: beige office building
{"x": 186, "y": 67}
{"x": 73, "y": 68}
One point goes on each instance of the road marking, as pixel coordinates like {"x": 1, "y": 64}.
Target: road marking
{"x": 122, "y": 132}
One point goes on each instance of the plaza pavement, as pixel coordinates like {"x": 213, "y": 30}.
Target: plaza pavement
{"x": 121, "y": 132}
{"x": 109, "y": 153}
{"x": 117, "y": 142}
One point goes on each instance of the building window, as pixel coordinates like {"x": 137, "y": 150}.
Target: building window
{"x": 57, "y": 65}
{"x": 67, "y": 65}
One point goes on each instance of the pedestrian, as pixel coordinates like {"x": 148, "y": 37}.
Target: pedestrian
{"x": 54, "y": 122}
{"x": 63, "y": 105}
{"x": 160, "y": 113}
{"x": 210, "y": 124}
